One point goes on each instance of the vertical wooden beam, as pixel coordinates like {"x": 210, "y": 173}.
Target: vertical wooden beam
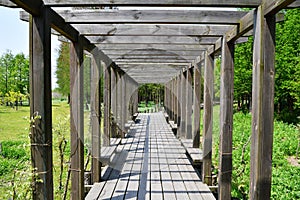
{"x": 197, "y": 104}
{"x": 119, "y": 104}
{"x": 41, "y": 105}
{"x": 172, "y": 99}
{"x": 189, "y": 102}
{"x": 262, "y": 105}
{"x": 113, "y": 100}
{"x": 226, "y": 120}
{"x": 208, "y": 118}
{"x": 96, "y": 117}
{"x": 178, "y": 103}
{"x": 175, "y": 99}
{"x": 123, "y": 104}
{"x": 107, "y": 104}
{"x": 77, "y": 134}
{"x": 183, "y": 106}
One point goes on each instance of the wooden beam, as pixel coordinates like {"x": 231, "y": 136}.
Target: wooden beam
{"x": 151, "y": 57}
{"x": 151, "y": 30}
{"x": 8, "y": 3}
{"x": 226, "y": 120}
{"x": 262, "y": 106}
{"x": 184, "y": 40}
{"x": 41, "y": 107}
{"x": 295, "y": 4}
{"x": 271, "y": 7}
{"x": 151, "y": 52}
{"x": 197, "y": 105}
{"x": 181, "y": 3}
{"x": 76, "y": 123}
{"x": 113, "y": 16}
{"x": 167, "y": 47}
{"x": 107, "y": 105}
{"x": 33, "y": 7}
{"x": 136, "y": 61}
{"x": 183, "y": 105}
{"x": 189, "y": 102}
{"x": 96, "y": 72}
{"x": 208, "y": 118}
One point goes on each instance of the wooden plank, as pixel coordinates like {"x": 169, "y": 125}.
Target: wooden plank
{"x": 262, "y": 106}
{"x": 205, "y": 3}
{"x": 114, "y": 16}
{"x": 158, "y": 57}
{"x": 41, "y": 107}
{"x": 7, "y": 3}
{"x": 96, "y": 118}
{"x": 152, "y": 40}
{"x": 183, "y": 105}
{"x": 107, "y": 105}
{"x": 271, "y": 7}
{"x": 151, "y": 30}
{"x": 32, "y": 6}
{"x": 208, "y": 118}
{"x": 95, "y": 191}
{"x": 189, "y": 102}
{"x": 167, "y": 47}
{"x": 197, "y": 102}
{"x": 77, "y": 126}
{"x": 226, "y": 120}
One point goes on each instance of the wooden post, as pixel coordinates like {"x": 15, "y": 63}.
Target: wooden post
{"x": 96, "y": 117}
{"x": 178, "y": 103}
{"x": 226, "y": 119}
{"x": 107, "y": 104}
{"x": 197, "y": 104}
{"x": 119, "y": 104}
{"x": 77, "y": 134}
{"x": 208, "y": 118}
{"x": 175, "y": 99}
{"x": 113, "y": 100}
{"x": 183, "y": 106}
{"x": 41, "y": 106}
{"x": 262, "y": 106}
{"x": 189, "y": 102}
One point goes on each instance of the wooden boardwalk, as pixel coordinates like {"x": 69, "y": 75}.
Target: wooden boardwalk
{"x": 150, "y": 163}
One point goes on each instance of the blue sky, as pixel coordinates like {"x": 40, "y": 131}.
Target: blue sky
{"x": 14, "y": 36}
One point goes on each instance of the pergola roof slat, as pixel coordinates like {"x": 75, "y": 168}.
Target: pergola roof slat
{"x": 113, "y": 16}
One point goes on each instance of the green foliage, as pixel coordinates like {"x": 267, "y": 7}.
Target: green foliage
{"x": 151, "y": 92}
{"x": 63, "y": 69}
{"x": 285, "y": 177}
{"x": 287, "y": 81}
{"x": 14, "y": 76}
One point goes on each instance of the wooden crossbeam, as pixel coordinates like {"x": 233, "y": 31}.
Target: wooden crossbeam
{"x": 151, "y": 16}
{"x": 203, "y": 3}
{"x": 151, "y": 30}
{"x": 167, "y": 47}
{"x": 152, "y": 40}
{"x": 151, "y": 52}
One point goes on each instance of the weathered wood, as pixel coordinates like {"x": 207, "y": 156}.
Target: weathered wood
{"x": 41, "y": 107}
{"x": 7, "y": 3}
{"x": 151, "y": 30}
{"x": 167, "y": 47}
{"x": 189, "y": 102}
{"x": 96, "y": 117}
{"x": 178, "y": 88}
{"x": 262, "y": 106}
{"x": 271, "y": 7}
{"x": 197, "y": 102}
{"x": 114, "y": 16}
{"x": 34, "y": 7}
{"x": 158, "y": 57}
{"x": 107, "y": 105}
{"x": 77, "y": 126}
{"x": 226, "y": 120}
{"x": 183, "y": 105}
{"x": 208, "y": 118}
{"x": 113, "y": 102}
{"x": 206, "y": 3}
{"x": 184, "y": 40}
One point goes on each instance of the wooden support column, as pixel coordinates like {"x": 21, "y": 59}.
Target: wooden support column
{"x": 172, "y": 98}
{"x": 107, "y": 104}
{"x": 262, "y": 105}
{"x": 226, "y": 120}
{"x": 41, "y": 106}
{"x": 189, "y": 102}
{"x": 96, "y": 117}
{"x": 175, "y": 99}
{"x": 178, "y": 102}
{"x": 197, "y": 104}
{"x": 119, "y": 104}
{"x": 183, "y": 106}
{"x": 113, "y": 101}
{"x": 123, "y": 104}
{"x": 77, "y": 126}
{"x": 208, "y": 118}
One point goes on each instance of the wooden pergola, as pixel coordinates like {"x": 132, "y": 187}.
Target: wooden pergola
{"x": 169, "y": 44}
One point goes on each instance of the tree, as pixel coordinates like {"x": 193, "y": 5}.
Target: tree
{"x": 63, "y": 69}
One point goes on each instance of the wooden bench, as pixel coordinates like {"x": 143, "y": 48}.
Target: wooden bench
{"x": 108, "y": 151}
{"x": 167, "y": 117}
{"x": 134, "y": 116}
{"x": 195, "y": 154}
{"x": 173, "y": 127}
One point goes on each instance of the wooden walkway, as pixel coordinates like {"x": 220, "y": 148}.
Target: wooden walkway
{"x": 150, "y": 163}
